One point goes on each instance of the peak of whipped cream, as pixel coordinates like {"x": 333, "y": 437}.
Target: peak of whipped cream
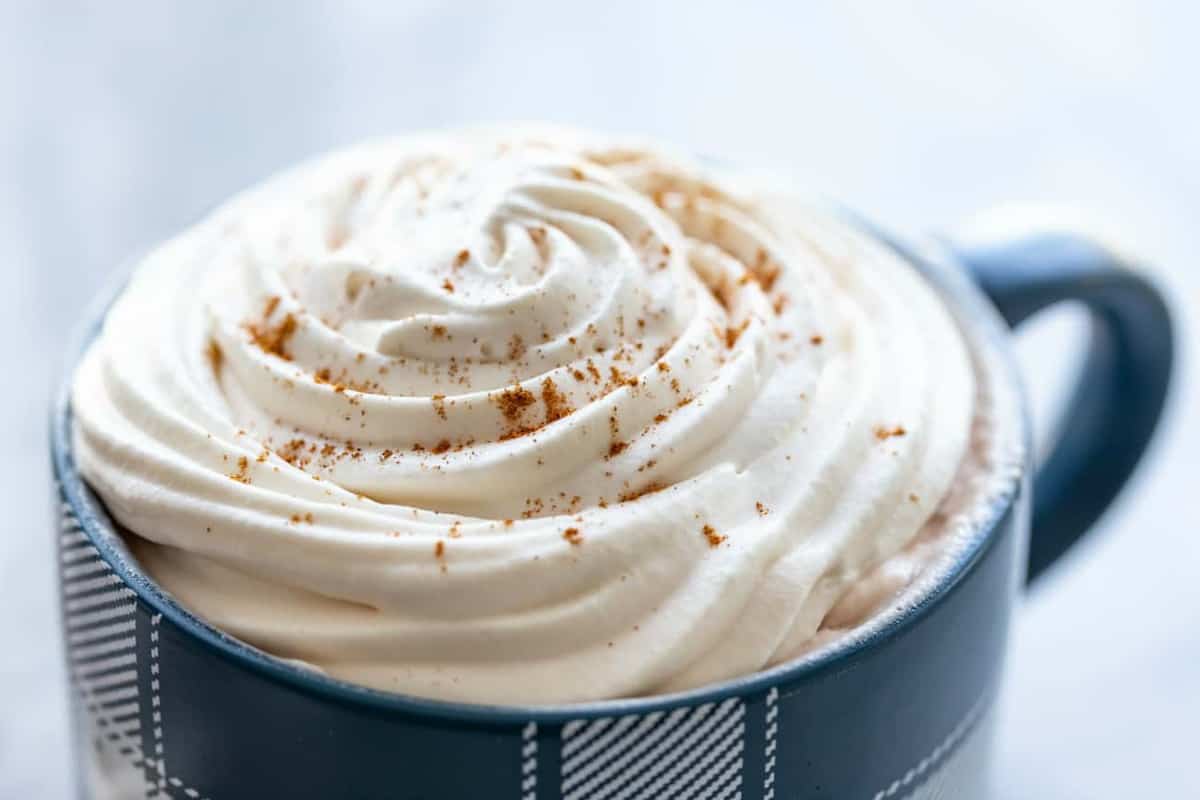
{"x": 521, "y": 415}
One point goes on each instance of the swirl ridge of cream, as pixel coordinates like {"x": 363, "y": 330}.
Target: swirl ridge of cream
{"x": 525, "y": 414}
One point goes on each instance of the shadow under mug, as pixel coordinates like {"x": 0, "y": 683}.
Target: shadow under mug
{"x": 164, "y": 705}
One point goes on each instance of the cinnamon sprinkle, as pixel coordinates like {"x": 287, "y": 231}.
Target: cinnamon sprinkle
{"x": 883, "y": 433}
{"x": 573, "y": 536}
{"x": 714, "y": 538}
{"x": 243, "y": 471}
{"x": 214, "y": 355}
{"x": 273, "y": 340}
{"x": 732, "y": 334}
{"x": 556, "y": 402}
{"x": 513, "y": 402}
{"x": 649, "y": 488}
{"x": 439, "y": 404}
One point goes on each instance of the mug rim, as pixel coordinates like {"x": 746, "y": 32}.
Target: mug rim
{"x": 960, "y": 295}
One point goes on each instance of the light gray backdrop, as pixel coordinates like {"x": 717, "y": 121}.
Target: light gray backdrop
{"x": 120, "y": 123}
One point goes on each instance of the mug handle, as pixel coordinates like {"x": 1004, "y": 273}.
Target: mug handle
{"x": 1119, "y": 395}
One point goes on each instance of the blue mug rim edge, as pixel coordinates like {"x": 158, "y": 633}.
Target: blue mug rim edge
{"x": 95, "y": 522}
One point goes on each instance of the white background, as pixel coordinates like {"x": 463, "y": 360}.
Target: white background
{"x": 121, "y": 123}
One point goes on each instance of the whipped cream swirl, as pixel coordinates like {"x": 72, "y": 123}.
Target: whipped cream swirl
{"x": 521, "y": 416}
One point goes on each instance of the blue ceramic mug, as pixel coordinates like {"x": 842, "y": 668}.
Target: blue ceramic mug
{"x": 166, "y": 706}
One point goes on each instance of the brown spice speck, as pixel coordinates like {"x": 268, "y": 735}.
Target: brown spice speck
{"x": 883, "y": 433}
{"x": 761, "y": 509}
{"x": 274, "y": 339}
{"x": 714, "y": 538}
{"x": 516, "y": 348}
{"x": 513, "y": 402}
{"x": 243, "y": 471}
{"x": 732, "y": 334}
{"x": 649, "y": 488}
{"x": 439, "y": 404}
{"x": 555, "y": 401}
{"x": 215, "y": 357}
{"x": 573, "y": 536}
{"x": 462, "y": 257}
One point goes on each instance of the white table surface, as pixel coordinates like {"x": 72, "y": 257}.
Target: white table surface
{"x": 122, "y": 123}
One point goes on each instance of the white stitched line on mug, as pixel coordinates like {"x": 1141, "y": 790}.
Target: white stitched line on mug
{"x": 702, "y": 745}
{"x": 159, "y": 761}
{"x": 123, "y": 678}
{"x": 72, "y": 537}
{"x": 102, "y": 632}
{"x": 100, "y": 701}
{"x": 81, "y": 570}
{"x": 529, "y": 750}
{"x": 99, "y": 599}
{"x": 82, "y": 585}
{"x": 103, "y": 615}
{"x": 938, "y": 753}
{"x": 103, "y": 648}
{"x": 697, "y": 748}
{"x": 70, "y": 555}
{"x": 105, "y": 671}
{"x": 771, "y": 733}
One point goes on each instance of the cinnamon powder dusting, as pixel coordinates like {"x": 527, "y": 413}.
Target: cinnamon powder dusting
{"x": 214, "y": 355}
{"x": 512, "y": 402}
{"x": 883, "y": 433}
{"x": 243, "y": 471}
{"x": 714, "y": 538}
{"x": 732, "y": 334}
{"x": 439, "y": 404}
{"x": 573, "y": 536}
{"x": 555, "y": 401}
{"x": 273, "y": 339}
{"x": 650, "y": 488}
